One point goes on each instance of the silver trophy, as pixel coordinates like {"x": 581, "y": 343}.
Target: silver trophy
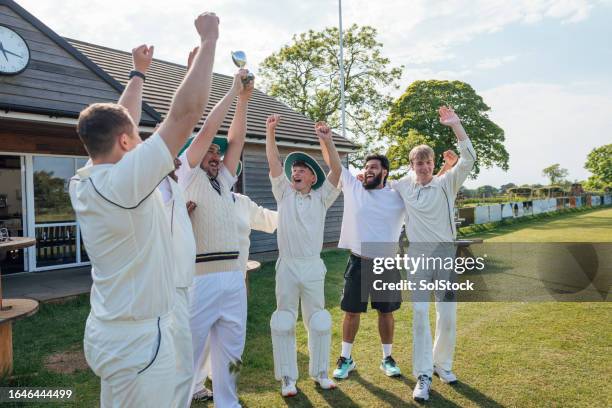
{"x": 240, "y": 60}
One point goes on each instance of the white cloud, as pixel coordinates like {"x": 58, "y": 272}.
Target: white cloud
{"x": 496, "y": 62}
{"x": 415, "y": 32}
{"x": 546, "y": 124}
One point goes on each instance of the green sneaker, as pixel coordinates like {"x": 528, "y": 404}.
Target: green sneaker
{"x": 389, "y": 367}
{"x": 343, "y": 367}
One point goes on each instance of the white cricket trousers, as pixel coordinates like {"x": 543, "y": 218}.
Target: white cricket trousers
{"x": 181, "y": 330}
{"x": 424, "y": 356}
{"x": 218, "y": 312}
{"x": 134, "y": 360}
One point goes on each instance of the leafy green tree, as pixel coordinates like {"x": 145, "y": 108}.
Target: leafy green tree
{"x": 504, "y": 187}
{"x": 599, "y": 163}
{"x": 413, "y": 119}
{"x": 306, "y": 76}
{"x": 486, "y": 191}
{"x": 555, "y": 173}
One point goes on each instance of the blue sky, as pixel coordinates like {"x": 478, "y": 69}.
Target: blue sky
{"x": 543, "y": 66}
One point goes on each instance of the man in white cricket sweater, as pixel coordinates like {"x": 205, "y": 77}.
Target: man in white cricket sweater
{"x": 250, "y": 216}
{"x": 303, "y": 195}
{"x": 429, "y": 202}
{"x": 128, "y": 341}
{"x": 218, "y": 295}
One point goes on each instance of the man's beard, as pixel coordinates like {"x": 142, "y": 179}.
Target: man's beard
{"x": 373, "y": 183}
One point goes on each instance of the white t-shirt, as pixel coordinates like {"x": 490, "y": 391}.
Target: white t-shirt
{"x": 182, "y": 233}
{"x": 369, "y": 216}
{"x": 126, "y": 233}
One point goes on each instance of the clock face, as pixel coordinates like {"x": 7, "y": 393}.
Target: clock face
{"x": 14, "y": 52}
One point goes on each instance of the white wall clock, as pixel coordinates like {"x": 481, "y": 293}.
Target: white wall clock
{"x": 14, "y": 52}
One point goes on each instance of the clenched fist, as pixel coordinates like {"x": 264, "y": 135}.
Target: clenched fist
{"x": 142, "y": 57}
{"x": 207, "y": 25}
{"x": 323, "y": 131}
{"x": 272, "y": 122}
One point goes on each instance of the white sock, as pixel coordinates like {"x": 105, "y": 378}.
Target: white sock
{"x": 387, "y": 350}
{"x": 346, "y": 349}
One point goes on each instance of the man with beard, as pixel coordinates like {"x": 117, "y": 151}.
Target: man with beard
{"x": 218, "y": 306}
{"x": 373, "y": 213}
{"x": 303, "y": 196}
{"x": 431, "y": 230}
{"x": 128, "y": 341}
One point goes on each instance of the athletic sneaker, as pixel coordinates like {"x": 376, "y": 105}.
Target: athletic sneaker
{"x": 446, "y": 377}
{"x": 203, "y": 395}
{"x": 324, "y": 382}
{"x": 421, "y": 390}
{"x": 343, "y": 367}
{"x": 390, "y": 367}
{"x": 288, "y": 388}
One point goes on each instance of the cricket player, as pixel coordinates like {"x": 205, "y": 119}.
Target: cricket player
{"x": 429, "y": 203}
{"x": 128, "y": 341}
{"x": 250, "y": 216}
{"x": 218, "y": 308}
{"x": 303, "y": 195}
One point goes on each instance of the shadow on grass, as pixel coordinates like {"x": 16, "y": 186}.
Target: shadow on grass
{"x": 476, "y": 396}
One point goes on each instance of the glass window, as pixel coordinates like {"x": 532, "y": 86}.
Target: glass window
{"x": 11, "y": 211}
{"x": 51, "y": 178}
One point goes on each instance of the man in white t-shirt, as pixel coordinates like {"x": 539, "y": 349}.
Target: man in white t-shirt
{"x": 431, "y": 231}
{"x": 371, "y": 226}
{"x": 218, "y": 308}
{"x": 128, "y": 341}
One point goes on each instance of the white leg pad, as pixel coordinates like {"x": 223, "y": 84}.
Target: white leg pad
{"x": 319, "y": 342}
{"x": 282, "y": 325}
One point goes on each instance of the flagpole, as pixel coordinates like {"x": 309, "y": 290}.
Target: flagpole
{"x": 342, "y": 107}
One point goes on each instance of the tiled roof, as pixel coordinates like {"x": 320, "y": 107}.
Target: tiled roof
{"x": 164, "y": 77}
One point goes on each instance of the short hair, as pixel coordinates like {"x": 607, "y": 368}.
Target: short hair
{"x": 384, "y": 162}
{"x": 100, "y": 124}
{"x": 302, "y": 163}
{"x": 421, "y": 152}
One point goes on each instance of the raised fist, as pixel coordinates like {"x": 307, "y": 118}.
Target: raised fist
{"x": 323, "y": 131}
{"x": 273, "y": 121}
{"x": 142, "y": 57}
{"x": 207, "y": 25}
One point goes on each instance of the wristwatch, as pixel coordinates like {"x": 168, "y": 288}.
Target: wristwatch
{"x": 134, "y": 73}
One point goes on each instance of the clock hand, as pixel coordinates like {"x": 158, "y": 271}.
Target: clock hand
{"x": 12, "y": 53}
{"x": 3, "y": 51}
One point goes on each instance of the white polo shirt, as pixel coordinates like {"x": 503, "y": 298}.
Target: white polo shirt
{"x": 126, "y": 233}
{"x": 301, "y": 217}
{"x": 430, "y": 208}
{"x": 369, "y": 216}
{"x": 182, "y": 232}
{"x": 251, "y": 216}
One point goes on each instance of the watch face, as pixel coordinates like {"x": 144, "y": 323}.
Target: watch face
{"x": 14, "y": 52}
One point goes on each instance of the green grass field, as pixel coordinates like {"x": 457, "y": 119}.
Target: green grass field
{"x": 508, "y": 354}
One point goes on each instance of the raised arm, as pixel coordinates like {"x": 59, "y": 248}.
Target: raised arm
{"x": 131, "y": 98}
{"x": 191, "y": 96}
{"x": 330, "y": 153}
{"x": 467, "y": 155}
{"x": 237, "y": 130}
{"x": 274, "y": 160}
{"x": 198, "y": 148}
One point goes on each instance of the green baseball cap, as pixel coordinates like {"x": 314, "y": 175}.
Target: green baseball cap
{"x": 310, "y": 162}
